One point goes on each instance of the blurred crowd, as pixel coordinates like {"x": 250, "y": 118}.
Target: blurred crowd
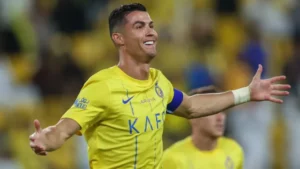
{"x": 49, "y": 48}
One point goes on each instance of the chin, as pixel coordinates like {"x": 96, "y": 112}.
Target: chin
{"x": 218, "y": 134}
{"x": 151, "y": 55}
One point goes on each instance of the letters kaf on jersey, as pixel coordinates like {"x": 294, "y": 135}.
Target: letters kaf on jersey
{"x": 149, "y": 122}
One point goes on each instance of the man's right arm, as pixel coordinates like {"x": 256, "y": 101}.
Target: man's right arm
{"x": 52, "y": 137}
{"x": 89, "y": 108}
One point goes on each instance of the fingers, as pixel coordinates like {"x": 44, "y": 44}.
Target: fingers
{"x": 36, "y": 147}
{"x": 280, "y": 87}
{"x": 37, "y": 125}
{"x": 279, "y": 93}
{"x": 258, "y": 72}
{"x": 275, "y": 100}
{"x": 44, "y": 153}
{"x": 31, "y": 137}
{"x": 277, "y": 78}
{"x": 39, "y": 150}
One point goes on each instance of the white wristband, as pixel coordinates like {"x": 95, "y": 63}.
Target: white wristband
{"x": 241, "y": 95}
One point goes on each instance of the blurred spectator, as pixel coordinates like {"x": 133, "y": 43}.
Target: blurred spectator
{"x": 291, "y": 108}
{"x": 226, "y": 6}
{"x": 69, "y": 16}
{"x": 250, "y": 124}
{"x": 253, "y": 52}
{"x": 197, "y": 75}
{"x": 271, "y": 17}
{"x": 66, "y": 75}
{"x": 18, "y": 97}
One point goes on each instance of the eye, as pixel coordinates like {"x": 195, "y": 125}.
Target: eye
{"x": 139, "y": 26}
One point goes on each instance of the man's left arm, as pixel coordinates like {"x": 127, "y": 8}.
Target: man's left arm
{"x": 200, "y": 105}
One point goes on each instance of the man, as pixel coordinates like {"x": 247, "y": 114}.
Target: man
{"x": 206, "y": 147}
{"x": 121, "y": 110}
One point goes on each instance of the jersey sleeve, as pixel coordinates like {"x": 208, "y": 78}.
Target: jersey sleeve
{"x": 91, "y": 105}
{"x": 174, "y": 99}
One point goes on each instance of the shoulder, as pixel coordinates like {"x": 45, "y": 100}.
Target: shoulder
{"x": 101, "y": 77}
{"x": 179, "y": 146}
{"x": 230, "y": 144}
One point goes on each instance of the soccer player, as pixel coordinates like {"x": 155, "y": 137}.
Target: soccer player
{"x": 121, "y": 110}
{"x": 206, "y": 147}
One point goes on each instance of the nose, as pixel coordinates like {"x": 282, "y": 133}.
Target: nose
{"x": 221, "y": 116}
{"x": 151, "y": 32}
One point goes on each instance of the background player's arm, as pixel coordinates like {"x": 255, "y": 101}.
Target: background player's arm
{"x": 200, "y": 105}
{"x": 52, "y": 137}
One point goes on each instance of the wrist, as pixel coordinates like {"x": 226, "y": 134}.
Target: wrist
{"x": 241, "y": 95}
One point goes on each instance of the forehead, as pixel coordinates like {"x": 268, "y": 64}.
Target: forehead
{"x": 135, "y": 16}
{"x": 209, "y": 118}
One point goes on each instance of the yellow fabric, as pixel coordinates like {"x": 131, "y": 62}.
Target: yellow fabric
{"x": 184, "y": 155}
{"x": 122, "y": 118}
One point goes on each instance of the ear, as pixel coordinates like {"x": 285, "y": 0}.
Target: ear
{"x": 118, "y": 39}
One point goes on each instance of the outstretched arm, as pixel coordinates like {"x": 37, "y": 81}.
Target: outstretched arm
{"x": 200, "y": 105}
{"x": 52, "y": 137}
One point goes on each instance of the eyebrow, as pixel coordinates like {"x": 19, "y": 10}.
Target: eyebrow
{"x": 141, "y": 22}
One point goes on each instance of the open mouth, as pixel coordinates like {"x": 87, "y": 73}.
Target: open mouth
{"x": 149, "y": 43}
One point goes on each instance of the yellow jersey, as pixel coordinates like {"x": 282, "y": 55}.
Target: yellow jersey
{"x": 184, "y": 155}
{"x": 122, "y": 118}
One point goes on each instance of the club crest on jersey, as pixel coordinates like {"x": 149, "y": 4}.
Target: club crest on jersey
{"x": 81, "y": 103}
{"x": 158, "y": 90}
{"x": 229, "y": 163}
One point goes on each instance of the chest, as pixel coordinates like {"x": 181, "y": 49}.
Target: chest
{"x": 217, "y": 161}
{"x": 139, "y": 110}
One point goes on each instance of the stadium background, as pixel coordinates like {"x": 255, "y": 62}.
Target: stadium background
{"x": 50, "y": 47}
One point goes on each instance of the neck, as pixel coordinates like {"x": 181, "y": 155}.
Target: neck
{"x": 204, "y": 142}
{"x": 133, "y": 67}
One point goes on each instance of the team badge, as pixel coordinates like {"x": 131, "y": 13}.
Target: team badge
{"x": 158, "y": 90}
{"x": 229, "y": 163}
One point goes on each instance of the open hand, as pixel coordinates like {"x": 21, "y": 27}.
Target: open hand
{"x": 267, "y": 89}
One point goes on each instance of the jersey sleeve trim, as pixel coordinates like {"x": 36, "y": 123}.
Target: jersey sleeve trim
{"x": 176, "y": 101}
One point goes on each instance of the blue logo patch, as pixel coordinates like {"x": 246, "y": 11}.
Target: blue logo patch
{"x": 128, "y": 100}
{"x": 81, "y": 103}
{"x": 158, "y": 91}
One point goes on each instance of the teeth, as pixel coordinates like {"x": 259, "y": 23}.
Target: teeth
{"x": 149, "y": 43}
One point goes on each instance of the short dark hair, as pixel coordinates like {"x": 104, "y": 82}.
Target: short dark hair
{"x": 118, "y": 15}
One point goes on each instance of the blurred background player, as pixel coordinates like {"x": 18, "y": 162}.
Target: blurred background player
{"x": 206, "y": 147}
